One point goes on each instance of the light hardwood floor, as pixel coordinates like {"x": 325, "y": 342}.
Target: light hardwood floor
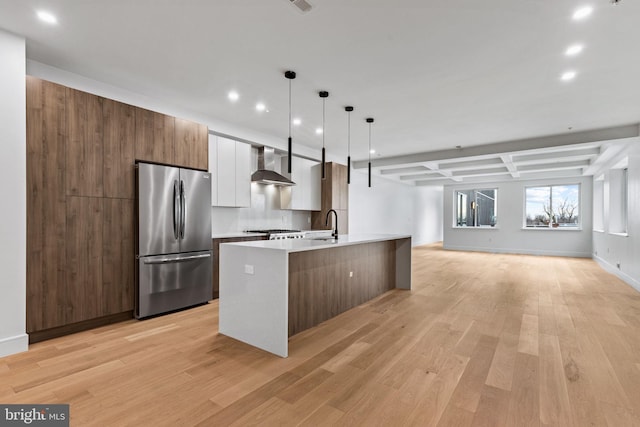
{"x": 481, "y": 340}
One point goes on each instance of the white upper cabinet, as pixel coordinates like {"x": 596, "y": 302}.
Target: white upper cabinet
{"x": 230, "y": 167}
{"x": 305, "y": 195}
{"x": 243, "y": 174}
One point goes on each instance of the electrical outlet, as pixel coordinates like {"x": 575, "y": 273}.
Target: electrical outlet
{"x": 351, "y": 274}
{"x": 618, "y": 265}
{"x": 248, "y": 269}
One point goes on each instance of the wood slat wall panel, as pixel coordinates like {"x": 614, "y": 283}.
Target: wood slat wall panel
{"x": 45, "y": 204}
{"x": 84, "y": 150}
{"x": 84, "y": 258}
{"x": 119, "y": 153}
{"x": 154, "y": 136}
{"x": 191, "y": 147}
{"x": 118, "y": 256}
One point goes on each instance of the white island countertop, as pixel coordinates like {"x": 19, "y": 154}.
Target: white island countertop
{"x": 255, "y": 279}
{"x": 299, "y": 245}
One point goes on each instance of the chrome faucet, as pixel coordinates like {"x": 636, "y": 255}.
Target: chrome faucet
{"x": 334, "y": 233}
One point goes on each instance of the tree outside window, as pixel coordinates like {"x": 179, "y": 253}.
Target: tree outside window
{"x": 553, "y": 206}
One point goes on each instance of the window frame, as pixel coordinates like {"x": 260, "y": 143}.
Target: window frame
{"x": 456, "y": 193}
{"x": 577, "y": 227}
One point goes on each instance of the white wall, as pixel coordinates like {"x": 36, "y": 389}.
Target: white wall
{"x": 509, "y": 236}
{"x": 264, "y": 213}
{"x": 13, "y": 214}
{"x": 392, "y": 208}
{"x": 610, "y": 249}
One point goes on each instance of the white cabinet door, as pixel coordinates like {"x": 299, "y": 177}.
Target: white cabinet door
{"x": 305, "y": 195}
{"x": 315, "y": 184}
{"x": 243, "y": 175}
{"x": 213, "y": 168}
{"x": 299, "y": 190}
{"x": 226, "y": 172}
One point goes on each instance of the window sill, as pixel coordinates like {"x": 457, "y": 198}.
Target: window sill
{"x": 598, "y": 231}
{"x": 552, "y": 228}
{"x": 482, "y": 227}
{"x": 619, "y": 234}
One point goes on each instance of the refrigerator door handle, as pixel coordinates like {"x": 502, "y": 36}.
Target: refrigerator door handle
{"x": 183, "y": 210}
{"x": 176, "y": 209}
{"x": 180, "y": 259}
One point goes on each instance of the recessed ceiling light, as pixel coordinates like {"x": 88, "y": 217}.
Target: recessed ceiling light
{"x": 296, "y": 122}
{"x": 260, "y": 106}
{"x": 47, "y": 17}
{"x": 233, "y": 96}
{"x": 372, "y": 151}
{"x": 318, "y": 131}
{"x": 574, "y": 50}
{"x": 582, "y": 13}
{"x": 568, "y": 75}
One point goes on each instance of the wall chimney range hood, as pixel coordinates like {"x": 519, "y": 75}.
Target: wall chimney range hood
{"x": 266, "y": 173}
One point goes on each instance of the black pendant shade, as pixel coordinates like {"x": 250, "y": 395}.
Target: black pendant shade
{"x": 323, "y": 94}
{"x": 369, "y": 120}
{"x": 348, "y": 109}
{"x": 289, "y": 75}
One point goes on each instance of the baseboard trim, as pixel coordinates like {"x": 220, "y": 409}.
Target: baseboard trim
{"x": 609, "y": 268}
{"x": 571, "y": 254}
{"x": 13, "y": 345}
{"x": 60, "y": 331}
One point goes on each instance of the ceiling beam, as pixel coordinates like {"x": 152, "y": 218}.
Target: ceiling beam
{"x": 573, "y": 138}
{"x": 508, "y": 162}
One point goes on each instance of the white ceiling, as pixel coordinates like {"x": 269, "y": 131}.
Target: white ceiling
{"x": 434, "y": 75}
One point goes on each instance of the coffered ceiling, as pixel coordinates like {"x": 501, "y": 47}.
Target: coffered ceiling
{"x": 434, "y": 75}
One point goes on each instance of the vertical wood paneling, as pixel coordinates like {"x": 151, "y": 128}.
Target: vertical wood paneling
{"x": 81, "y": 151}
{"x": 154, "y": 136}
{"x": 119, "y": 154}
{"x": 84, "y": 258}
{"x": 84, "y": 151}
{"x": 191, "y": 147}
{"x": 334, "y": 195}
{"x": 45, "y": 204}
{"x": 118, "y": 274}
{"x": 320, "y": 286}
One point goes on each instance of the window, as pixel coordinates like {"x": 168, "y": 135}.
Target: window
{"x": 553, "y": 206}
{"x": 624, "y": 205}
{"x": 618, "y": 200}
{"x": 476, "y": 208}
{"x": 598, "y": 203}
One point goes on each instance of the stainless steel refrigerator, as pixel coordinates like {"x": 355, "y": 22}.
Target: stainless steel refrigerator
{"x": 174, "y": 238}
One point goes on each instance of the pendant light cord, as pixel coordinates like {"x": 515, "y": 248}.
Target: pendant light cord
{"x": 349, "y": 133}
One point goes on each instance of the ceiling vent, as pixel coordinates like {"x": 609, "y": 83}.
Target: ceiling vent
{"x": 303, "y": 5}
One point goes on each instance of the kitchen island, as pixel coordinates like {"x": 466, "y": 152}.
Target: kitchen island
{"x": 273, "y": 289}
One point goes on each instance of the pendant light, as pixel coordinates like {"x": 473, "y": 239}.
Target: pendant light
{"x": 369, "y": 120}
{"x": 348, "y": 109}
{"x": 289, "y": 75}
{"x": 323, "y": 94}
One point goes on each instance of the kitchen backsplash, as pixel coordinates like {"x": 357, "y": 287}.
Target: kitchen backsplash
{"x": 264, "y": 212}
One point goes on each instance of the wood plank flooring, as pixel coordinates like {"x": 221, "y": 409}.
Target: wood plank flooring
{"x": 481, "y": 340}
